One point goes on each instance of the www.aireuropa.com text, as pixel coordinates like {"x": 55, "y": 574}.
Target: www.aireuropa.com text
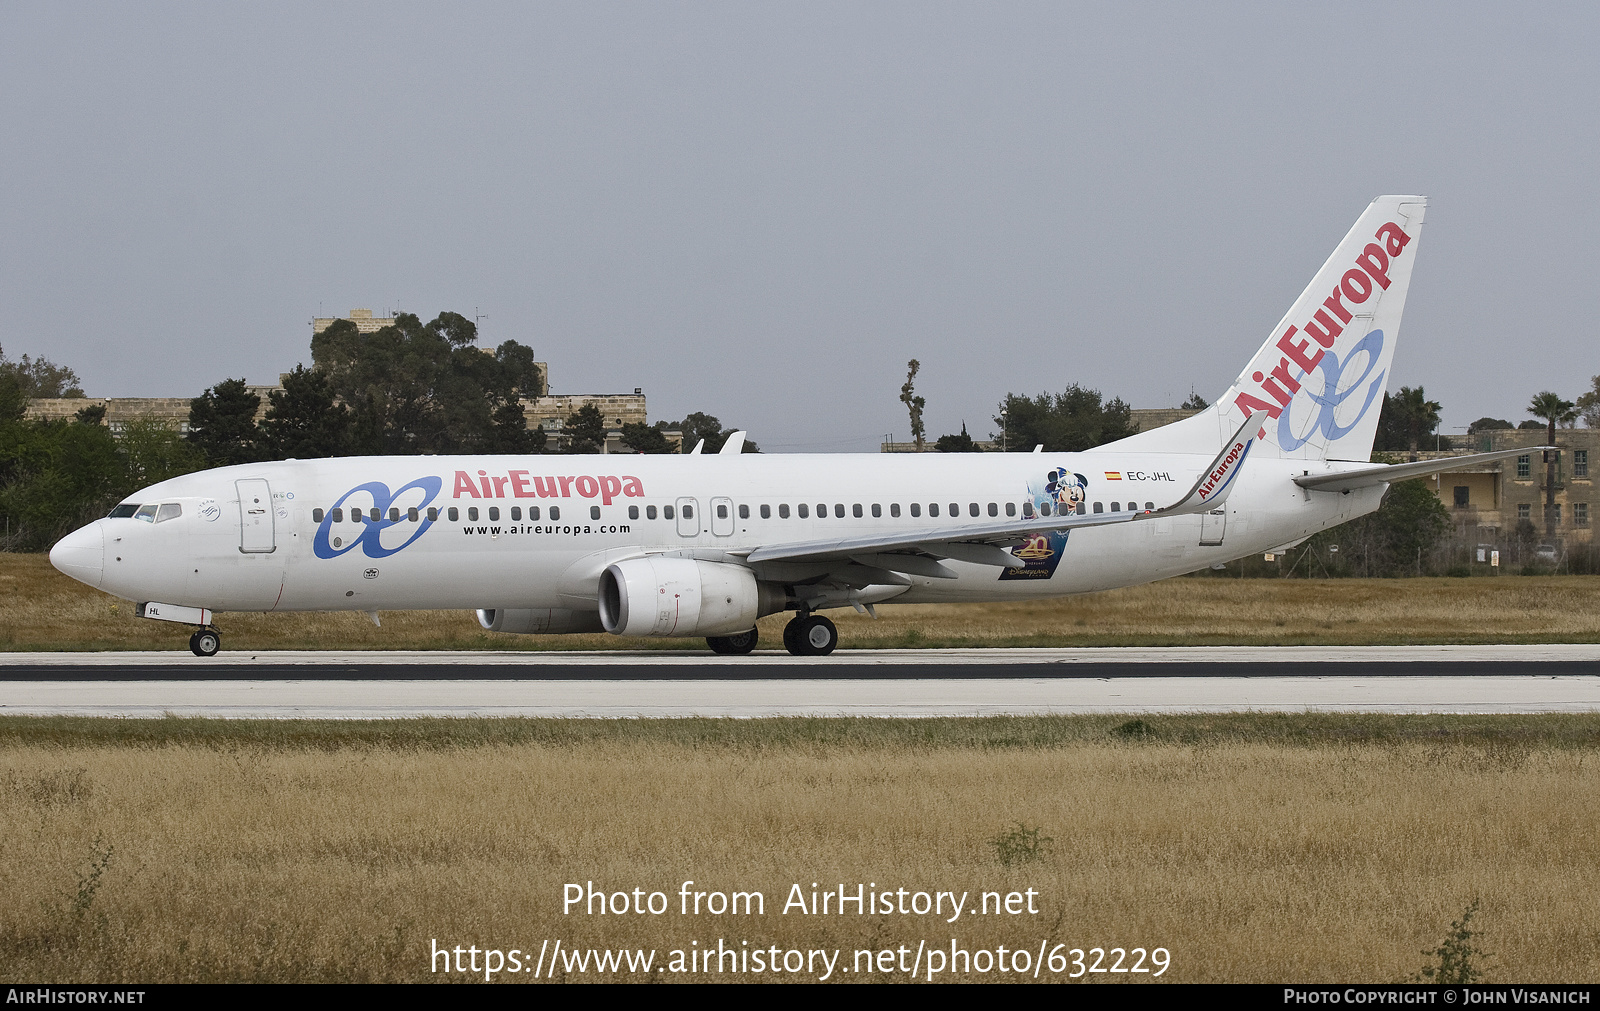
{"x": 558, "y": 960}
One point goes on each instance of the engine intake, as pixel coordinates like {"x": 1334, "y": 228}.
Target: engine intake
{"x": 682, "y": 597}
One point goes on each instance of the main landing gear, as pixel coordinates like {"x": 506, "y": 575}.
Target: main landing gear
{"x": 810, "y": 635}
{"x": 205, "y": 642}
{"x": 733, "y": 645}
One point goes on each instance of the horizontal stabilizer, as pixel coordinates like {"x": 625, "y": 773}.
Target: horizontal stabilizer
{"x": 1385, "y": 473}
{"x": 1213, "y": 487}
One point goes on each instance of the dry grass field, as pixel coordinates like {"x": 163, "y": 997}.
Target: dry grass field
{"x": 40, "y": 609}
{"x": 1267, "y": 848}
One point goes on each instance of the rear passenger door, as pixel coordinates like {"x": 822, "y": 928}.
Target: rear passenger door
{"x": 688, "y": 517}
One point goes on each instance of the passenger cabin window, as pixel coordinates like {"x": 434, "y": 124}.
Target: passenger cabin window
{"x": 877, "y": 510}
{"x": 822, "y": 510}
{"x": 1149, "y": 506}
{"x": 433, "y": 513}
{"x": 855, "y": 510}
{"x": 1011, "y": 508}
{"x": 916, "y": 508}
{"x": 955, "y": 509}
{"x": 533, "y": 513}
{"x": 1116, "y": 507}
{"x": 668, "y": 513}
{"x": 454, "y": 514}
{"x": 633, "y": 512}
{"x": 766, "y": 512}
{"x": 472, "y": 513}
{"x": 169, "y": 511}
{"x": 555, "y": 513}
{"x": 412, "y": 515}
{"x": 972, "y": 509}
{"x": 594, "y": 512}
{"x": 783, "y": 511}
{"x": 688, "y": 512}
{"x": 649, "y": 512}
{"x": 722, "y": 511}
{"x": 894, "y": 509}
{"x": 316, "y": 515}
{"x": 1027, "y": 510}
{"x": 1044, "y": 509}
{"x": 147, "y": 513}
{"x": 394, "y": 514}
{"x": 376, "y": 514}
{"x": 933, "y": 508}
{"x": 516, "y": 513}
{"x": 994, "y": 510}
{"x": 494, "y": 513}
{"x": 1099, "y": 508}
{"x": 1081, "y": 508}
{"x": 744, "y": 512}
{"x": 123, "y": 511}
{"x": 805, "y": 510}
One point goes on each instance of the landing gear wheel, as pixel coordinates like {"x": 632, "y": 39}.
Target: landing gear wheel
{"x": 205, "y": 642}
{"x": 811, "y": 636}
{"x": 736, "y": 644}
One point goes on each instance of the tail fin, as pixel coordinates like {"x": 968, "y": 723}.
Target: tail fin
{"x": 1320, "y": 375}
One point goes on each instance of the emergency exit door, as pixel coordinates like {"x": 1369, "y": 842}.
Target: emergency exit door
{"x": 255, "y": 517}
{"x": 1212, "y": 526}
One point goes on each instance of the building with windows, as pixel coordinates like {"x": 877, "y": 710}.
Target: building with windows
{"x": 1487, "y": 502}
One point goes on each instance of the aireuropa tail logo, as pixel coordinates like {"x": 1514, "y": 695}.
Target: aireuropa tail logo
{"x": 374, "y": 510}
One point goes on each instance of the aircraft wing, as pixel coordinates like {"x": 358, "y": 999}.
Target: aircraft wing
{"x": 1388, "y": 473}
{"x": 919, "y": 550}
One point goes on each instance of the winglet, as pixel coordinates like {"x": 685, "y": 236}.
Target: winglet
{"x": 734, "y": 446}
{"x": 1217, "y": 481}
{"x": 697, "y": 448}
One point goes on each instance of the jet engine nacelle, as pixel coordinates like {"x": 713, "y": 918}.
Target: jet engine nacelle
{"x": 682, "y": 597}
{"x": 538, "y": 620}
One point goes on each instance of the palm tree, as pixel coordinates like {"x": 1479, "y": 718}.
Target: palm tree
{"x": 1552, "y": 409}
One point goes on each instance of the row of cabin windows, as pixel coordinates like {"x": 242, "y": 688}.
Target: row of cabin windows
{"x": 803, "y": 510}
{"x": 452, "y": 514}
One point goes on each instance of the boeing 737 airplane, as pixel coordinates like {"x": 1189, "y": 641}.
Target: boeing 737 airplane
{"x": 703, "y": 545}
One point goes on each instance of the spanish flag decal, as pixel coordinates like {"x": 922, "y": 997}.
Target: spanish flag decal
{"x": 1113, "y": 475}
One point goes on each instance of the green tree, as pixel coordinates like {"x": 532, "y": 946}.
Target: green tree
{"x": 303, "y": 421}
{"x": 642, "y": 438}
{"x": 152, "y": 450}
{"x": 1067, "y": 422}
{"x": 585, "y": 430}
{"x": 914, "y": 404}
{"x": 1406, "y": 420}
{"x": 1195, "y": 402}
{"x": 56, "y": 476}
{"x": 427, "y": 388}
{"x": 222, "y": 423}
{"x": 1552, "y": 409}
{"x": 1488, "y": 424}
{"x": 699, "y": 426}
{"x": 1588, "y": 404}
{"x": 39, "y": 378}
{"x": 957, "y": 443}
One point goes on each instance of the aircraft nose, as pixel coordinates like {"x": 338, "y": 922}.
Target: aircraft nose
{"x": 82, "y": 554}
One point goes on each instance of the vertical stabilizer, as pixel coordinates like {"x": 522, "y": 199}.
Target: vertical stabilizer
{"x": 1320, "y": 376}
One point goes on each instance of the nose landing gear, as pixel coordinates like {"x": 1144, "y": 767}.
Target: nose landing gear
{"x": 810, "y": 635}
{"x": 205, "y": 642}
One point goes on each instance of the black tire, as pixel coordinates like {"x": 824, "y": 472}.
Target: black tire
{"x": 791, "y": 643}
{"x": 813, "y": 636}
{"x": 737, "y": 644}
{"x": 206, "y": 642}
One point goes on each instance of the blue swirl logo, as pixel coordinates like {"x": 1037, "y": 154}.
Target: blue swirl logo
{"x": 369, "y": 531}
{"x": 1335, "y": 391}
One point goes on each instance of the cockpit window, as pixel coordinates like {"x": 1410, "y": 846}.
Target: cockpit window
{"x": 146, "y": 513}
{"x": 123, "y": 511}
{"x": 169, "y": 511}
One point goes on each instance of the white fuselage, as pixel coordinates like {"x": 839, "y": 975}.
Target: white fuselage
{"x": 281, "y": 536}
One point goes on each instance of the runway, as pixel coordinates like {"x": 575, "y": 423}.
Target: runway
{"x": 879, "y": 683}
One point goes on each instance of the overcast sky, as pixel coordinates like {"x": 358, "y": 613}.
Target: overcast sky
{"x": 762, "y": 211}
